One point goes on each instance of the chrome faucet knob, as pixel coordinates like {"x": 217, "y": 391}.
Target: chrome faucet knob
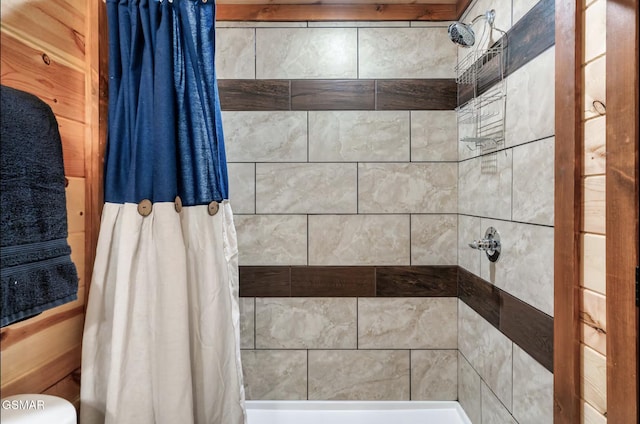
{"x": 489, "y": 244}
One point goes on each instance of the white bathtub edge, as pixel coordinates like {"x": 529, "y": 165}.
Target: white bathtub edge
{"x": 346, "y": 405}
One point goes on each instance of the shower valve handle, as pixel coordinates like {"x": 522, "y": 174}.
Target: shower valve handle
{"x": 485, "y": 244}
{"x": 490, "y": 244}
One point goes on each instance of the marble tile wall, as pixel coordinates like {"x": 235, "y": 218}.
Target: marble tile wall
{"x": 350, "y": 348}
{"x": 383, "y": 187}
{"x": 498, "y": 381}
{"x": 350, "y": 187}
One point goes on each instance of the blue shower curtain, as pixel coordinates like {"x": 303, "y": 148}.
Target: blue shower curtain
{"x": 161, "y": 338}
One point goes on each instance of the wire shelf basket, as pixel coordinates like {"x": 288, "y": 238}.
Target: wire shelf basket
{"x": 482, "y": 100}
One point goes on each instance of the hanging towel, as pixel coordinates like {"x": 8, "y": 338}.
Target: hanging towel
{"x": 35, "y": 264}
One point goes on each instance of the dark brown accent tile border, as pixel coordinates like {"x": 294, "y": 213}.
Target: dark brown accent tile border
{"x": 256, "y": 95}
{"x": 525, "y": 325}
{"x": 482, "y": 297}
{"x": 529, "y": 328}
{"x": 416, "y": 281}
{"x": 343, "y": 281}
{"x": 354, "y": 281}
{"x": 333, "y": 95}
{"x": 265, "y": 281}
{"x": 531, "y": 35}
{"x": 416, "y": 94}
{"x": 353, "y": 94}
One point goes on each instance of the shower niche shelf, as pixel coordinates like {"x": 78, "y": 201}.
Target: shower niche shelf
{"x": 481, "y": 100}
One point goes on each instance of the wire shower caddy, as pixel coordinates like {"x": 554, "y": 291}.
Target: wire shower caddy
{"x": 482, "y": 100}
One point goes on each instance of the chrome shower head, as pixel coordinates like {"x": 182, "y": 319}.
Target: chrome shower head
{"x": 461, "y": 34}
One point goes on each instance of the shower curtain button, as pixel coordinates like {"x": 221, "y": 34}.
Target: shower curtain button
{"x": 178, "y": 203}
{"x": 213, "y": 208}
{"x": 144, "y": 207}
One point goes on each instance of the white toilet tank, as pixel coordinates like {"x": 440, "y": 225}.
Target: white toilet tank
{"x": 37, "y": 409}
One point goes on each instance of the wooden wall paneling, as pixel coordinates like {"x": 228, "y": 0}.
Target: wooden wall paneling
{"x": 593, "y": 209}
{"x": 594, "y": 320}
{"x": 595, "y": 153}
{"x": 73, "y": 137}
{"x": 18, "y": 332}
{"x": 594, "y": 338}
{"x": 34, "y": 352}
{"x": 43, "y": 52}
{"x": 53, "y": 370}
{"x": 594, "y": 381}
{"x": 96, "y": 133}
{"x": 567, "y": 206}
{"x": 78, "y": 255}
{"x": 67, "y": 388}
{"x": 336, "y": 12}
{"x": 58, "y": 26}
{"x": 39, "y": 72}
{"x": 76, "y": 205}
{"x": 591, "y": 416}
{"x": 593, "y": 266}
{"x": 622, "y": 210}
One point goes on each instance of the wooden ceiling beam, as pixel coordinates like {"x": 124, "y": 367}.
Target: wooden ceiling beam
{"x": 337, "y": 12}
{"x": 461, "y": 6}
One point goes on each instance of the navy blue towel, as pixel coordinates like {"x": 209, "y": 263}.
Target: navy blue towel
{"x": 35, "y": 263}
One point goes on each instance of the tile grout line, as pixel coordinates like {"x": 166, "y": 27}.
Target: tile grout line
{"x": 357, "y": 324}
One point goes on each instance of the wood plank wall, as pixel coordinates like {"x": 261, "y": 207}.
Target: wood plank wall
{"x": 593, "y": 323}
{"x": 622, "y": 214}
{"x": 44, "y": 52}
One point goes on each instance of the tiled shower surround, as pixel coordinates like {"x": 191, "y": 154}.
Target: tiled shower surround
{"x": 343, "y": 154}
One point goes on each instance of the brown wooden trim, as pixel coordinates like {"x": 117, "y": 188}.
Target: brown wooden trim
{"x": 68, "y": 388}
{"x": 417, "y": 281}
{"x": 11, "y": 335}
{"x": 568, "y": 159}
{"x": 336, "y": 12}
{"x": 333, "y": 95}
{"x": 96, "y": 142}
{"x": 622, "y": 210}
{"x": 41, "y": 378}
{"x": 461, "y": 7}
